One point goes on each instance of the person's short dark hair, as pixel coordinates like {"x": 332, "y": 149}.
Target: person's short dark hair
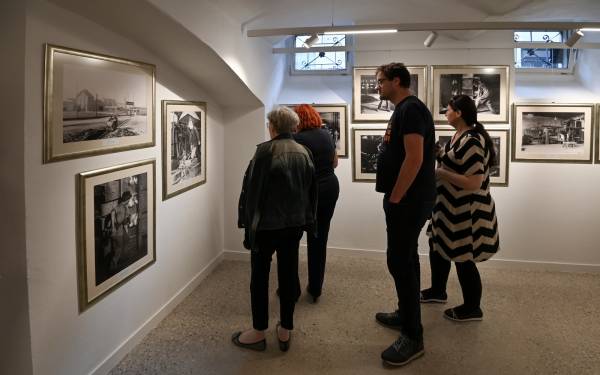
{"x": 125, "y": 196}
{"x": 393, "y": 70}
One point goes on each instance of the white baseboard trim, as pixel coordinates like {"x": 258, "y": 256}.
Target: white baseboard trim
{"x": 515, "y": 264}
{"x": 138, "y": 335}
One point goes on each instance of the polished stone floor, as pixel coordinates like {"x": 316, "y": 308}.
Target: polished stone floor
{"x": 535, "y": 322}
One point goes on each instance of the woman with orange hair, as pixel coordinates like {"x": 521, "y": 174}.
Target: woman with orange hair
{"x": 319, "y": 141}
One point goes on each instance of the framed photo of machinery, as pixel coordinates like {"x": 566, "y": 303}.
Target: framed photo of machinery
{"x": 553, "y": 133}
{"x": 498, "y": 171}
{"x": 95, "y": 104}
{"x": 366, "y": 105}
{"x": 183, "y": 146}
{"x": 335, "y": 121}
{"x": 366, "y": 144}
{"x": 116, "y": 227}
{"x": 487, "y": 85}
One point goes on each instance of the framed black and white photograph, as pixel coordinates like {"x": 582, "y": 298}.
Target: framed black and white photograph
{"x": 498, "y": 171}
{"x": 487, "y": 85}
{"x": 597, "y": 133}
{"x": 184, "y": 146}
{"x": 366, "y": 144}
{"x": 116, "y": 227}
{"x": 335, "y": 121}
{"x": 95, "y": 104}
{"x": 366, "y": 104}
{"x": 553, "y": 132}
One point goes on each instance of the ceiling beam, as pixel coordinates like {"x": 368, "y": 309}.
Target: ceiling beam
{"x": 429, "y": 26}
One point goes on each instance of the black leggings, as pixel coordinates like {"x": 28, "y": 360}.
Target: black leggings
{"x": 468, "y": 276}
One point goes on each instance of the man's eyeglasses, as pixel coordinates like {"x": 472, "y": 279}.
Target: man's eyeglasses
{"x": 381, "y": 80}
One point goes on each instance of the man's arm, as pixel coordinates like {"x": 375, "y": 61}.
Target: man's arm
{"x": 413, "y": 145}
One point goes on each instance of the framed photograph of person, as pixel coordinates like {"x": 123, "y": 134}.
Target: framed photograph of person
{"x": 366, "y": 144}
{"x": 487, "y": 85}
{"x": 366, "y": 104}
{"x": 95, "y": 104}
{"x": 184, "y": 146}
{"x": 498, "y": 171}
{"x": 116, "y": 227}
{"x": 335, "y": 121}
{"x": 553, "y": 133}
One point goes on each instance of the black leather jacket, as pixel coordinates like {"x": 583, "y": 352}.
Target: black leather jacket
{"x": 279, "y": 189}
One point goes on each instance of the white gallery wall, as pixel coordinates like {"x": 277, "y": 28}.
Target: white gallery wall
{"x": 189, "y": 227}
{"x": 548, "y": 213}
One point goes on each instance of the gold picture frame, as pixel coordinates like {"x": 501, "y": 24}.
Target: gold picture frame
{"x": 95, "y": 104}
{"x": 116, "y": 226}
{"x": 184, "y": 143}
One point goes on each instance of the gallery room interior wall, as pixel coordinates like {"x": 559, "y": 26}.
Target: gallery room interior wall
{"x": 15, "y": 348}
{"x": 548, "y": 212}
{"x": 189, "y": 235}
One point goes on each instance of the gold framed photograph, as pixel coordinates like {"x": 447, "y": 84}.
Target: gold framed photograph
{"x": 184, "y": 146}
{"x": 95, "y": 104}
{"x": 488, "y": 85}
{"x": 366, "y": 104}
{"x": 116, "y": 227}
{"x": 366, "y": 143}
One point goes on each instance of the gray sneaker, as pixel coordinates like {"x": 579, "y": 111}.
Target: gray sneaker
{"x": 402, "y": 351}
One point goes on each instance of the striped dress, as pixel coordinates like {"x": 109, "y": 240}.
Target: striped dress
{"x": 463, "y": 224}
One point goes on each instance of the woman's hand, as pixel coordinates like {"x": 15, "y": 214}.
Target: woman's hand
{"x": 441, "y": 173}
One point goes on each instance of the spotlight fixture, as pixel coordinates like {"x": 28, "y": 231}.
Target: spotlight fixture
{"x": 430, "y": 39}
{"x": 314, "y": 38}
{"x": 574, "y": 38}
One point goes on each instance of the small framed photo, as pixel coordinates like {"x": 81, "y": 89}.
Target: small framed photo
{"x": 116, "y": 227}
{"x": 95, "y": 104}
{"x": 366, "y": 146}
{"x": 366, "y": 104}
{"x": 335, "y": 121}
{"x": 498, "y": 171}
{"x": 597, "y": 133}
{"x": 184, "y": 146}
{"x": 553, "y": 133}
{"x": 487, "y": 85}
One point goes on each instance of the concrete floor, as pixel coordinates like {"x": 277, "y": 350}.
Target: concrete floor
{"x": 534, "y": 323}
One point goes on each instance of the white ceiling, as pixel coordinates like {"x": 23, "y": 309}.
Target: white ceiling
{"x": 265, "y": 14}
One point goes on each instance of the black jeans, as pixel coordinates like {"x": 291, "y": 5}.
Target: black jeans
{"x": 329, "y": 190}
{"x": 404, "y": 223}
{"x": 468, "y": 277}
{"x": 285, "y": 242}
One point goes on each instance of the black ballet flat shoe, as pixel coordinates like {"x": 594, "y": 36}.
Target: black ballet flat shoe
{"x": 315, "y": 298}
{"x": 259, "y": 346}
{"x": 284, "y": 346}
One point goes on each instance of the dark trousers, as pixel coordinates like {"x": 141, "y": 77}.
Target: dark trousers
{"x": 404, "y": 223}
{"x": 468, "y": 277}
{"x": 329, "y": 190}
{"x": 285, "y": 242}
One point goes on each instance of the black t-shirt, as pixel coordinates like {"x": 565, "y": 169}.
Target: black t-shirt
{"x": 411, "y": 116}
{"x": 322, "y": 147}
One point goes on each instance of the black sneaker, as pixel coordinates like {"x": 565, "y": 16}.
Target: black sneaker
{"x": 402, "y": 351}
{"x": 390, "y": 320}
{"x": 429, "y": 296}
{"x": 459, "y": 316}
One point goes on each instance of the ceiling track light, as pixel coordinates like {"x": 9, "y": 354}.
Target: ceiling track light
{"x": 314, "y": 38}
{"x": 370, "y": 31}
{"x": 574, "y": 38}
{"x": 430, "y": 39}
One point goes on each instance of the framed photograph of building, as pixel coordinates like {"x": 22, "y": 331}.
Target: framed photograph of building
{"x": 95, "y": 104}
{"x": 487, "y": 85}
{"x": 116, "y": 227}
{"x": 553, "y": 132}
{"x": 335, "y": 121}
{"x": 366, "y": 105}
{"x": 366, "y": 144}
{"x": 498, "y": 171}
{"x": 184, "y": 146}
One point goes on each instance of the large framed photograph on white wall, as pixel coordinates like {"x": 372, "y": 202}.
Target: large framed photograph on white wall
{"x": 553, "y": 133}
{"x": 366, "y": 144}
{"x": 487, "y": 85}
{"x": 366, "y": 104}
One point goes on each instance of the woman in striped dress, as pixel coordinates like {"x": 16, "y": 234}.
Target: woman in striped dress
{"x": 463, "y": 228}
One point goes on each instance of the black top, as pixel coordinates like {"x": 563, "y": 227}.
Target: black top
{"x": 411, "y": 116}
{"x": 320, "y": 143}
